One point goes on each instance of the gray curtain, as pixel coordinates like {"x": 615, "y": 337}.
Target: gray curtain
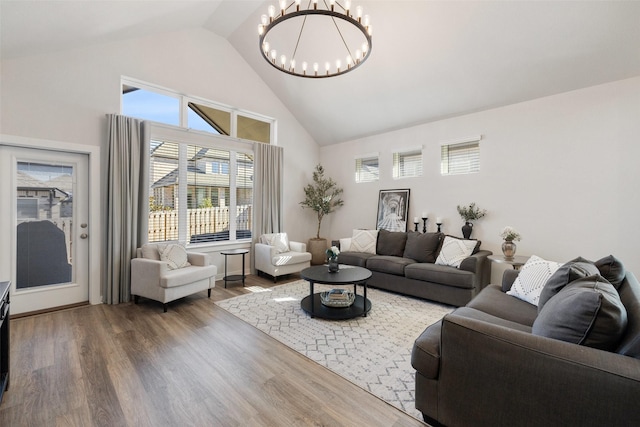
{"x": 127, "y": 195}
{"x": 267, "y": 192}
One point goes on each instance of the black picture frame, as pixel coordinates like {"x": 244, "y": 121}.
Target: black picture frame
{"x": 393, "y": 210}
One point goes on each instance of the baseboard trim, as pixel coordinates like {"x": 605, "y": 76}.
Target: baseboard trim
{"x": 49, "y": 310}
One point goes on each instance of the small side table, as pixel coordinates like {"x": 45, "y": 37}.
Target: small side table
{"x": 516, "y": 262}
{"x": 234, "y": 277}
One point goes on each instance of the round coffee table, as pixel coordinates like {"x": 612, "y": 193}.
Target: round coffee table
{"x": 347, "y": 275}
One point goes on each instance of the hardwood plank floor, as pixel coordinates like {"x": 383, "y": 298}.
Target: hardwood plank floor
{"x": 133, "y": 365}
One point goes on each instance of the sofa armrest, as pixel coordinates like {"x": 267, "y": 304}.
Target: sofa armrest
{"x": 197, "y": 258}
{"x": 264, "y": 254}
{"x": 297, "y": 246}
{"x": 508, "y": 277}
{"x": 145, "y": 275}
{"x": 534, "y": 380}
{"x": 478, "y": 264}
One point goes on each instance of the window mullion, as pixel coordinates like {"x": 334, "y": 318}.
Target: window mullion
{"x": 233, "y": 209}
{"x": 182, "y": 193}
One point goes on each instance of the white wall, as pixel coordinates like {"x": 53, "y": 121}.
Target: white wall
{"x": 65, "y": 96}
{"x": 563, "y": 170}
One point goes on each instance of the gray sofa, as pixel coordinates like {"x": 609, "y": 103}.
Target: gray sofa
{"x": 491, "y": 364}
{"x": 405, "y": 263}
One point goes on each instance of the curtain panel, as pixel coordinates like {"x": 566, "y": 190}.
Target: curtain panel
{"x": 267, "y": 193}
{"x": 127, "y": 195}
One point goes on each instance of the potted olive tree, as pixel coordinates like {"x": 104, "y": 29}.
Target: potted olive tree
{"x": 322, "y": 197}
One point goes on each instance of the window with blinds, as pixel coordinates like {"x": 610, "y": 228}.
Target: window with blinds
{"x": 461, "y": 158}
{"x": 367, "y": 169}
{"x": 407, "y": 164}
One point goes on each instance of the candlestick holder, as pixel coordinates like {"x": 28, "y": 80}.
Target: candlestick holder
{"x": 424, "y": 225}
{"x": 416, "y": 226}
{"x": 439, "y": 224}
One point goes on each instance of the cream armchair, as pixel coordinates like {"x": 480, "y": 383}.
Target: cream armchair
{"x": 164, "y": 275}
{"x": 277, "y": 256}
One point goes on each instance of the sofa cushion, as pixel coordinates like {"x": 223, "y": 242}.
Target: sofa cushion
{"x": 174, "y": 255}
{"x": 440, "y": 274}
{"x": 354, "y": 258}
{"x": 492, "y": 300}
{"x": 187, "y": 275}
{"x": 388, "y": 264}
{"x": 391, "y": 243}
{"x": 422, "y": 247}
{"x": 532, "y": 278}
{"x": 454, "y": 250}
{"x": 587, "y": 311}
{"x": 280, "y": 241}
{"x": 567, "y": 273}
{"x": 364, "y": 241}
{"x": 612, "y": 269}
{"x": 290, "y": 258}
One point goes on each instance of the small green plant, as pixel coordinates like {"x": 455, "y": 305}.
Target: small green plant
{"x": 509, "y": 234}
{"x": 205, "y": 203}
{"x": 471, "y": 212}
{"x": 322, "y": 197}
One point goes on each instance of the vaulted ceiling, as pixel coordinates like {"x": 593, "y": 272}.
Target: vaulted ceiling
{"x": 430, "y": 59}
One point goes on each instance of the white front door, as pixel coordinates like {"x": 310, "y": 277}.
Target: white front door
{"x": 44, "y": 227}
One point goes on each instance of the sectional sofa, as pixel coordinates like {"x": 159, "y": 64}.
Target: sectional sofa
{"x": 433, "y": 266}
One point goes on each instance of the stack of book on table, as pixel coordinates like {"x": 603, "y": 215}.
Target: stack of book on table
{"x": 337, "y": 298}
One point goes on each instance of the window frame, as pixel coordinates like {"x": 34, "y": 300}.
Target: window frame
{"x": 398, "y": 169}
{"x": 358, "y": 166}
{"x": 460, "y": 144}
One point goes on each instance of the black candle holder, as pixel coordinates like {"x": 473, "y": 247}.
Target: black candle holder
{"x": 416, "y": 226}
{"x": 439, "y": 224}
{"x": 424, "y": 225}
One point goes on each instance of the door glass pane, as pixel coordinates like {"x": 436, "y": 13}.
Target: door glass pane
{"x": 45, "y": 219}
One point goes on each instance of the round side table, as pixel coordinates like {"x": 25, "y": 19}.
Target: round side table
{"x": 516, "y": 262}
{"x": 234, "y": 277}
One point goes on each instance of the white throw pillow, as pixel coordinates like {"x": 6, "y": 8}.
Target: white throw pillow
{"x": 345, "y": 244}
{"x": 174, "y": 255}
{"x": 278, "y": 240}
{"x": 532, "y": 278}
{"x": 364, "y": 241}
{"x": 455, "y": 250}
{"x": 150, "y": 251}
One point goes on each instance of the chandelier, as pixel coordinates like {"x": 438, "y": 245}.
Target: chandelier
{"x": 318, "y": 41}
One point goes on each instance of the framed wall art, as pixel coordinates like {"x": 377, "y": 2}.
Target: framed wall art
{"x": 393, "y": 209}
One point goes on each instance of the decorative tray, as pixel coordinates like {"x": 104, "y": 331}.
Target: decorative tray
{"x": 337, "y": 298}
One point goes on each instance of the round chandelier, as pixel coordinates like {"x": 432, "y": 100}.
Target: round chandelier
{"x": 316, "y": 41}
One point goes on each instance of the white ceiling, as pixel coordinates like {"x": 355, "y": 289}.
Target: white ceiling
{"x": 430, "y": 59}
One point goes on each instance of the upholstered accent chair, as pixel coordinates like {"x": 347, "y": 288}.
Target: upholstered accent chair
{"x": 276, "y": 255}
{"x": 166, "y": 272}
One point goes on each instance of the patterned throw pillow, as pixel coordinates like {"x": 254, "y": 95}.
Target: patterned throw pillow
{"x": 278, "y": 240}
{"x": 455, "y": 250}
{"x": 174, "y": 255}
{"x": 364, "y": 241}
{"x": 532, "y": 278}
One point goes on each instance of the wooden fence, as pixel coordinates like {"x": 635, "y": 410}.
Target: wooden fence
{"x": 163, "y": 225}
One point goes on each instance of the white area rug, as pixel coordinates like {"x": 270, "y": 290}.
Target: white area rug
{"x": 373, "y": 352}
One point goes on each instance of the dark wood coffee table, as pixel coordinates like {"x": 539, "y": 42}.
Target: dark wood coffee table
{"x": 347, "y": 275}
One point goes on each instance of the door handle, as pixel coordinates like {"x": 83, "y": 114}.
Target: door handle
{"x": 84, "y": 235}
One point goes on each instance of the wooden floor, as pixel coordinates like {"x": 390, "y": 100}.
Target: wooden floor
{"x": 133, "y": 365}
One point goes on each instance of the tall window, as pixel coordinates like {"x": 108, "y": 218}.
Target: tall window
{"x": 461, "y": 157}
{"x": 200, "y": 186}
{"x": 367, "y": 168}
{"x": 407, "y": 164}
{"x": 217, "y": 206}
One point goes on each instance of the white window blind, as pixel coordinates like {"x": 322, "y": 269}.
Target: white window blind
{"x": 367, "y": 169}
{"x": 407, "y": 164}
{"x": 461, "y": 158}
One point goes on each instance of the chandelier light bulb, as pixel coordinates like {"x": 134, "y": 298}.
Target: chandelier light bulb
{"x": 370, "y": 30}
{"x": 365, "y": 47}
{"x": 297, "y": 4}
{"x": 332, "y": 3}
{"x": 349, "y": 61}
{"x": 338, "y": 63}
{"x": 315, "y": 4}
{"x": 283, "y": 60}
{"x": 264, "y": 19}
{"x": 265, "y": 47}
{"x": 366, "y": 20}
{"x": 358, "y": 55}
{"x": 273, "y": 55}
{"x": 347, "y": 7}
{"x": 304, "y": 66}
{"x": 272, "y": 11}
{"x": 359, "y": 13}
{"x": 260, "y": 29}
{"x": 293, "y": 64}
{"x": 315, "y": 68}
